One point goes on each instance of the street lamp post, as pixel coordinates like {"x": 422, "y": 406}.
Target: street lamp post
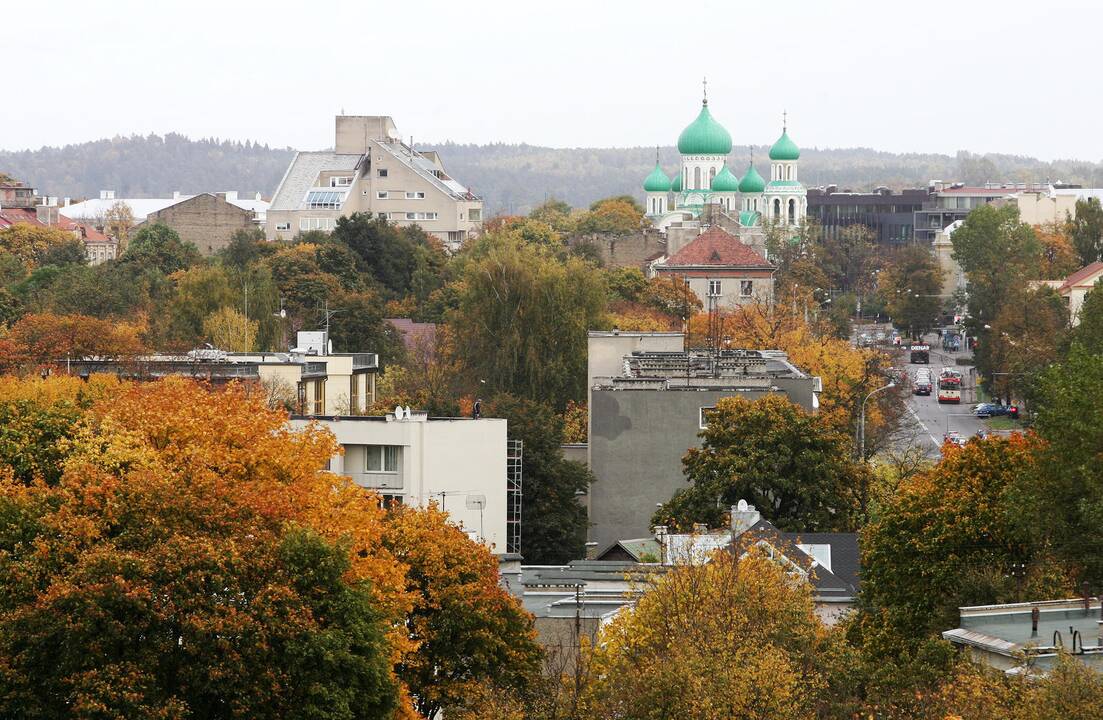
{"x": 862, "y": 421}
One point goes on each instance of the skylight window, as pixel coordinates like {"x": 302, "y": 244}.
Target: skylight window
{"x": 325, "y": 199}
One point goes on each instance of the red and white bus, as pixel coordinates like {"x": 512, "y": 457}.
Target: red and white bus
{"x": 949, "y": 388}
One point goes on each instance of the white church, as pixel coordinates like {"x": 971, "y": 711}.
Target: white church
{"x": 705, "y": 178}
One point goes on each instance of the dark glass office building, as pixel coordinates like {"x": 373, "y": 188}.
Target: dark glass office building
{"x": 890, "y": 215}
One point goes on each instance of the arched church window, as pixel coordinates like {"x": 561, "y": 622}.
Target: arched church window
{"x": 697, "y": 178}
{"x": 777, "y": 208}
{"x": 792, "y": 211}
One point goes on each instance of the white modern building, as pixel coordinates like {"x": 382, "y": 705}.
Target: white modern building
{"x": 467, "y": 466}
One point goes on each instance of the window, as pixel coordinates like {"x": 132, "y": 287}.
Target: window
{"x": 703, "y": 417}
{"x": 308, "y": 223}
{"x": 283, "y": 226}
{"x": 381, "y": 458}
{"x": 382, "y": 172}
{"x": 354, "y": 395}
{"x": 325, "y": 199}
{"x": 475, "y": 214}
{"x": 319, "y": 397}
{"x": 746, "y": 288}
{"x": 714, "y": 288}
{"x": 381, "y": 195}
{"x": 343, "y": 181}
{"x": 411, "y": 195}
{"x": 421, "y": 216}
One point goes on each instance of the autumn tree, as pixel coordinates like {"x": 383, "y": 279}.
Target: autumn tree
{"x": 522, "y": 318}
{"x": 998, "y": 253}
{"x": 47, "y": 338}
{"x": 734, "y": 638}
{"x": 794, "y": 466}
{"x": 1026, "y": 336}
{"x": 1059, "y": 257}
{"x": 1085, "y": 228}
{"x": 228, "y": 329}
{"x": 1068, "y": 418}
{"x": 618, "y": 215}
{"x": 964, "y": 532}
{"x": 214, "y": 574}
{"x": 1088, "y": 332}
{"x": 33, "y": 245}
{"x": 159, "y": 246}
{"x": 911, "y": 283}
{"x": 850, "y": 259}
{"x": 555, "y": 213}
{"x": 466, "y": 630}
{"x": 117, "y": 223}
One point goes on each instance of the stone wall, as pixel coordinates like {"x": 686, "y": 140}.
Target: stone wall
{"x": 205, "y": 220}
{"x": 619, "y": 251}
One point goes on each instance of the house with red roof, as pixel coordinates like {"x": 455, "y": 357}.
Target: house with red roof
{"x": 99, "y": 247}
{"x": 720, "y": 268}
{"x": 1076, "y": 287}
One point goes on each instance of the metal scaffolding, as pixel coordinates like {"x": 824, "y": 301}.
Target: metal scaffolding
{"x": 514, "y": 453}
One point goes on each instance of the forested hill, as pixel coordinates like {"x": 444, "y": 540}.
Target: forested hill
{"x": 512, "y": 178}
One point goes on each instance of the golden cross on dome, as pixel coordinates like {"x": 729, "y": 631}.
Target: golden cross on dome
{"x": 705, "y": 89}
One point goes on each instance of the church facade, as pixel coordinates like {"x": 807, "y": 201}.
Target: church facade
{"x": 705, "y": 178}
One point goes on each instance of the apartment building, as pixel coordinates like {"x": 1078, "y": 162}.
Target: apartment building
{"x": 43, "y": 212}
{"x": 372, "y": 170}
{"x": 649, "y": 399}
{"x": 307, "y": 380}
{"x": 467, "y": 466}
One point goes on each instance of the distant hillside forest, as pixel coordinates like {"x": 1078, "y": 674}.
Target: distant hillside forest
{"x": 511, "y": 178}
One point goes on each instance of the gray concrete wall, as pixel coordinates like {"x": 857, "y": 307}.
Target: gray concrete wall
{"x": 637, "y": 441}
{"x": 619, "y": 251}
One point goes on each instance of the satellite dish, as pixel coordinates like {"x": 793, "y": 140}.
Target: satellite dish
{"x": 407, "y": 412}
{"x": 397, "y": 412}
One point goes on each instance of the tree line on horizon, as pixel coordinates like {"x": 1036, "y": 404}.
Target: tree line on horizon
{"x": 512, "y": 178}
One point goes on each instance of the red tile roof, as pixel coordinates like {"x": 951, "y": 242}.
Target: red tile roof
{"x": 414, "y": 333}
{"x": 11, "y": 216}
{"x": 717, "y": 248}
{"x": 1080, "y": 275}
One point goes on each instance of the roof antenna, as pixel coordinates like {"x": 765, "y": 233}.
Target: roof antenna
{"x": 705, "y": 90}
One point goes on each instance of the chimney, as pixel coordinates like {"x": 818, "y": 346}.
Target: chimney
{"x": 744, "y": 517}
{"x": 175, "y": 194}
{"x": 66, "y": 202}
{"x": 107, "y": 194}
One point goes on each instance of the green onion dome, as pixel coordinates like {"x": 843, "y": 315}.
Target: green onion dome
{"x": 784, "y": 148}
{"x": 676, "y": 183}
{"x": 725, "y": 181}
{"x": 704, "y": 136}
{"x": 752, "y": 182}
{"x": 657, "y": 181}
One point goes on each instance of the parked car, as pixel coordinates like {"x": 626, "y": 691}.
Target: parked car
{"x": 984, "y": 410}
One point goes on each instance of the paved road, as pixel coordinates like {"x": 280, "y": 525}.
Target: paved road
{"x": 933, "y": 420}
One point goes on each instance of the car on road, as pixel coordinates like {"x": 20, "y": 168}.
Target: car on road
{"x": 987, "y": 410}
{"x": 922, "y": 386}
{"x": 953, "y": 437}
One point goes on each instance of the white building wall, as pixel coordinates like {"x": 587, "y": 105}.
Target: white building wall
{"x": 451, "y": 461}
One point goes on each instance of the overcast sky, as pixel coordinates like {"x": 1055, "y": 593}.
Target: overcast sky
{"x": 1014, "y": 76}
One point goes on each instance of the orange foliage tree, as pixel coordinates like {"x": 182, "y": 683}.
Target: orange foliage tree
{"x": 466, "y": 631}
{"x": 193, "y": 557}
{"x": 49, "y": 338}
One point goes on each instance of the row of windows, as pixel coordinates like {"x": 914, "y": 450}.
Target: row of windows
{"x": 410, "y": 195}
{"x": 716, "y": 288}
{"x": 325, "y": 224}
